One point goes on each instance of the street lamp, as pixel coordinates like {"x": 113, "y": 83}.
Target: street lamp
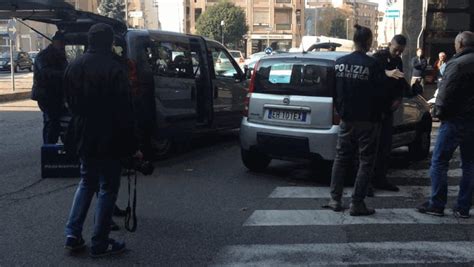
{"x": 347, "y": 28}
{"x": 222, "y": 31}
{"x": 157, "y": 4}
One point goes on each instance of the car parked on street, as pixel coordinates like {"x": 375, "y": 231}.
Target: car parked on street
{"x": 238, "y": 57}
{"x": 33, "y": 55}
{"x": 178, "y": 85}
{"x": 21, "y": 61}
{"x": 290, "y": 113}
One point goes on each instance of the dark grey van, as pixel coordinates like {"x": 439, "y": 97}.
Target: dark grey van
{"x": 176, "y": 88}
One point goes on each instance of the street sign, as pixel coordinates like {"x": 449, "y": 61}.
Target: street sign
{"x": 268, "y": 50}
{"x": 392, "y": 13}
{"x": 136, "y": 14}
{"x": 11, "y": 29}
{"x": 391, "y": 2}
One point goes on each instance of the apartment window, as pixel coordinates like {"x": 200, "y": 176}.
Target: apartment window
{"x": 197, "y": 13}
{"x": 261, "y": 17}
{"x": 283, "y": 19}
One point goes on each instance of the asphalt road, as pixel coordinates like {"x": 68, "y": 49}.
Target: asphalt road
{"x": 202, "y": 207}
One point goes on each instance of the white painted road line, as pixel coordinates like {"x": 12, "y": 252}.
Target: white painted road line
{"x": 323, "y": 192}
{"x": 347, "y": 254}
{"x": 329, "y": 217}
{"x": 420, "y": 174}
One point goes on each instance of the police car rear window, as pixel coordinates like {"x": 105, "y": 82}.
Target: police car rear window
{"x": 294, "y": 78}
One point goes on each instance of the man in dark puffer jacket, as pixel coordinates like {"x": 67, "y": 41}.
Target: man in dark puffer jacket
{"x": 455, "y": 108}
{"x": 101, "y": 133}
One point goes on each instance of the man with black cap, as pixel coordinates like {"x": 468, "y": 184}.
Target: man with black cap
{"x": 101, "y": 132}
{"x": 48, "y": 86}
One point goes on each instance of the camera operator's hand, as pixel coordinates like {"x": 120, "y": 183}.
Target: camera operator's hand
{"x": 138, "y": 155}
{"x": 396, "y": 74}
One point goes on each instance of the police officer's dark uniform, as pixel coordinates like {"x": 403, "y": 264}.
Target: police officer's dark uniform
{"x": 47, "y": 88}
{"x": 359, "y": 102}
{"x": 395, "y": 89}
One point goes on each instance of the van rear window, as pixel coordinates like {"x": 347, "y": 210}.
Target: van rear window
{"x": 294, "y": 78}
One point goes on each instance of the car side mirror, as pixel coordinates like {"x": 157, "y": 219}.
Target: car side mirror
{"x": 247, "y": 72}
{"x": 239, "y": 77}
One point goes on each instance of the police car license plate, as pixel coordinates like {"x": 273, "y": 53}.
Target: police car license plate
{"x": 287, "y": 115}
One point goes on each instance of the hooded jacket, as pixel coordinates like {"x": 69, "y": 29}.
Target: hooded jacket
{"x": 48, "y": 80}
{"x": 98, "y": 95}
{"x": 455, "y": 97}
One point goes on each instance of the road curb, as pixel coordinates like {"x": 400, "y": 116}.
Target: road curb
{"x": 15, "y": 96}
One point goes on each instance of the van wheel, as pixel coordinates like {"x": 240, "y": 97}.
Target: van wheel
{"x": 162, "y": 148}
{"x": 30, "y": 69}
{"x": 255, "y": 161}
{"x": 420, "y": 148}
{"x": 17, "y": 69}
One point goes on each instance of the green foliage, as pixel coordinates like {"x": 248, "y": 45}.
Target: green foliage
{"x": 332, "y": 22}
{"x": 113, "y": 9}
{"x": 338, "y": 28}
{"x": 209, "y": 23}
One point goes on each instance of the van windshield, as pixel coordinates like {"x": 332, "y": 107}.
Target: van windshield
{"x": 294, "y": 78}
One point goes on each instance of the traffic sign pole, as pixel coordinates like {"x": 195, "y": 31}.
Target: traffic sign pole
{"x": 11, "y": 28}
{"x": 12, "y": 68}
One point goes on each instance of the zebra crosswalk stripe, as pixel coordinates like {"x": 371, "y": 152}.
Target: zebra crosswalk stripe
{"x": 323, "y": 192}
{"x": 331, "y": 218}
{"x": 420, "y": 174}
{"x": 348, "y": 254}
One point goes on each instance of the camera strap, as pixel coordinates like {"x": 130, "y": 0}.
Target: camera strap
{"x": 131, "y": 211}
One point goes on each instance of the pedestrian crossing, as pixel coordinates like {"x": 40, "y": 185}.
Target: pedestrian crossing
{"x": 379, "y": 246}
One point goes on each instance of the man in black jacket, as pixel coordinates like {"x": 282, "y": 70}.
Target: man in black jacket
{"x": 359, "y": 100}
{"x": 419, "y": 64}
{"x": 48, "y": 87}
{"x": 101, "y": 133}
{"x": 390, "y": 61}
{"x": 454, "y": 106}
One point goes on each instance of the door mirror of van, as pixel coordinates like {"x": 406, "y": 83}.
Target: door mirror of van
{"x": 238, "y": 77}
{"x": 247, "y": 72}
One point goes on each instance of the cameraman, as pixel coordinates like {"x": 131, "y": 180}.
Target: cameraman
{"x": 101, "y": 133}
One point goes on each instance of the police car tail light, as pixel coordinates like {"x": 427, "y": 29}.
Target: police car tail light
{"x": 133, "y": 77}
{"x": 251, "y": 90}
{"x": 336, "y": 119}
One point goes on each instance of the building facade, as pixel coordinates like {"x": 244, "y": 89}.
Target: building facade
{"x": 433, "y": 26}
{"x": 272, "y": 23}
{"x": 362, "y": 12}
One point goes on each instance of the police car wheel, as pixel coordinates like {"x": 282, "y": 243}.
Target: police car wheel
{"x": 255, "y": 161}
{"x": 420, "y": 148}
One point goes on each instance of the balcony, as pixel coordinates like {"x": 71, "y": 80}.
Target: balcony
{"x": 261, "y": 28}
{"x": 283, "y": 27}
{"x": 283, "y": 4}
{"x": 261, "y": 3}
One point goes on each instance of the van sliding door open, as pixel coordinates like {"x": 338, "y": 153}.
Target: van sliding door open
{"x": 176, "y": 72}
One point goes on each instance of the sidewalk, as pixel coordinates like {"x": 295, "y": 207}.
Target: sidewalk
{"x": 22, "y": 91}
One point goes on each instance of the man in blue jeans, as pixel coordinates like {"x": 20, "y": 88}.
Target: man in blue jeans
{"x": 102, "y": 133}
{"x": 455, "y": 108}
